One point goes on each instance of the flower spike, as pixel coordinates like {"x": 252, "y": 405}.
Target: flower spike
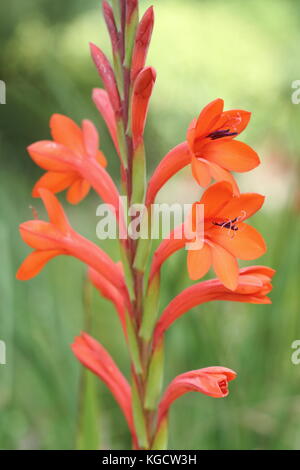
{"x": 214, "y": 233}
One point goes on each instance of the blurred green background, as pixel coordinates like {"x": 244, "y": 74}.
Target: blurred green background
{"x": 244, "y": 52}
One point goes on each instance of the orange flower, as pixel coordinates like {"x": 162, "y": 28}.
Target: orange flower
{"x": 50, "y": 239}
{"x": 70, "y": 145}
{"x": 214, "y": 150}
{"x": 226, "y": 237}
{"x": 254, "y": 284}
{"x": 212, "y": 381}
{"x": 210, "y": 149}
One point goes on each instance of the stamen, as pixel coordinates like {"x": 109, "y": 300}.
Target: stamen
{"x": 221, "y": 133}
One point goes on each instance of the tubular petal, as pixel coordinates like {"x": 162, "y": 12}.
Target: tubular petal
{"x": 168, "y": 246}
{"x": 254, "y": 284}
{"x": 174, "y": 161}
{"x": 232, "y": 155}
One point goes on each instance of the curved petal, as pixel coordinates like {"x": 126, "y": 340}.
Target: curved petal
{"x": 54, "y": 182}
{"x": 246, "y": 243}
{"x": 66, "y": 132}
{"x": 232, "y": 155}
{"x": 199, "y": 262}
{"x": 78, "y": 191}
{"x": 55, "y": 211}
{"x": 200, "y": 172}
{"x": 244, "y": 206}
{"x": 51, "y": 156}
{"x": 220, "y": 174}
{"x": 40, "y": 235}
{"x": 208, "y": 117}
{"x": 225, "y": 266}
{"x": 215, "y": 198}
{"x": 34, "y": 263}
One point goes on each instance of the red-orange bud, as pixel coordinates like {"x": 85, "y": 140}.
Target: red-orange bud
{"x": 140, "y": 102}
{"x": 142, "y": 41}
{"x": 108, "y": 77}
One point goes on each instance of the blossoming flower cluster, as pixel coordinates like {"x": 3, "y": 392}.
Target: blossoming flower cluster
{"x": 73, "y": 161}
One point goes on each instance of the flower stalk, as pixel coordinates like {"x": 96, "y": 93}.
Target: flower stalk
{"x": 74, "y": 162}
